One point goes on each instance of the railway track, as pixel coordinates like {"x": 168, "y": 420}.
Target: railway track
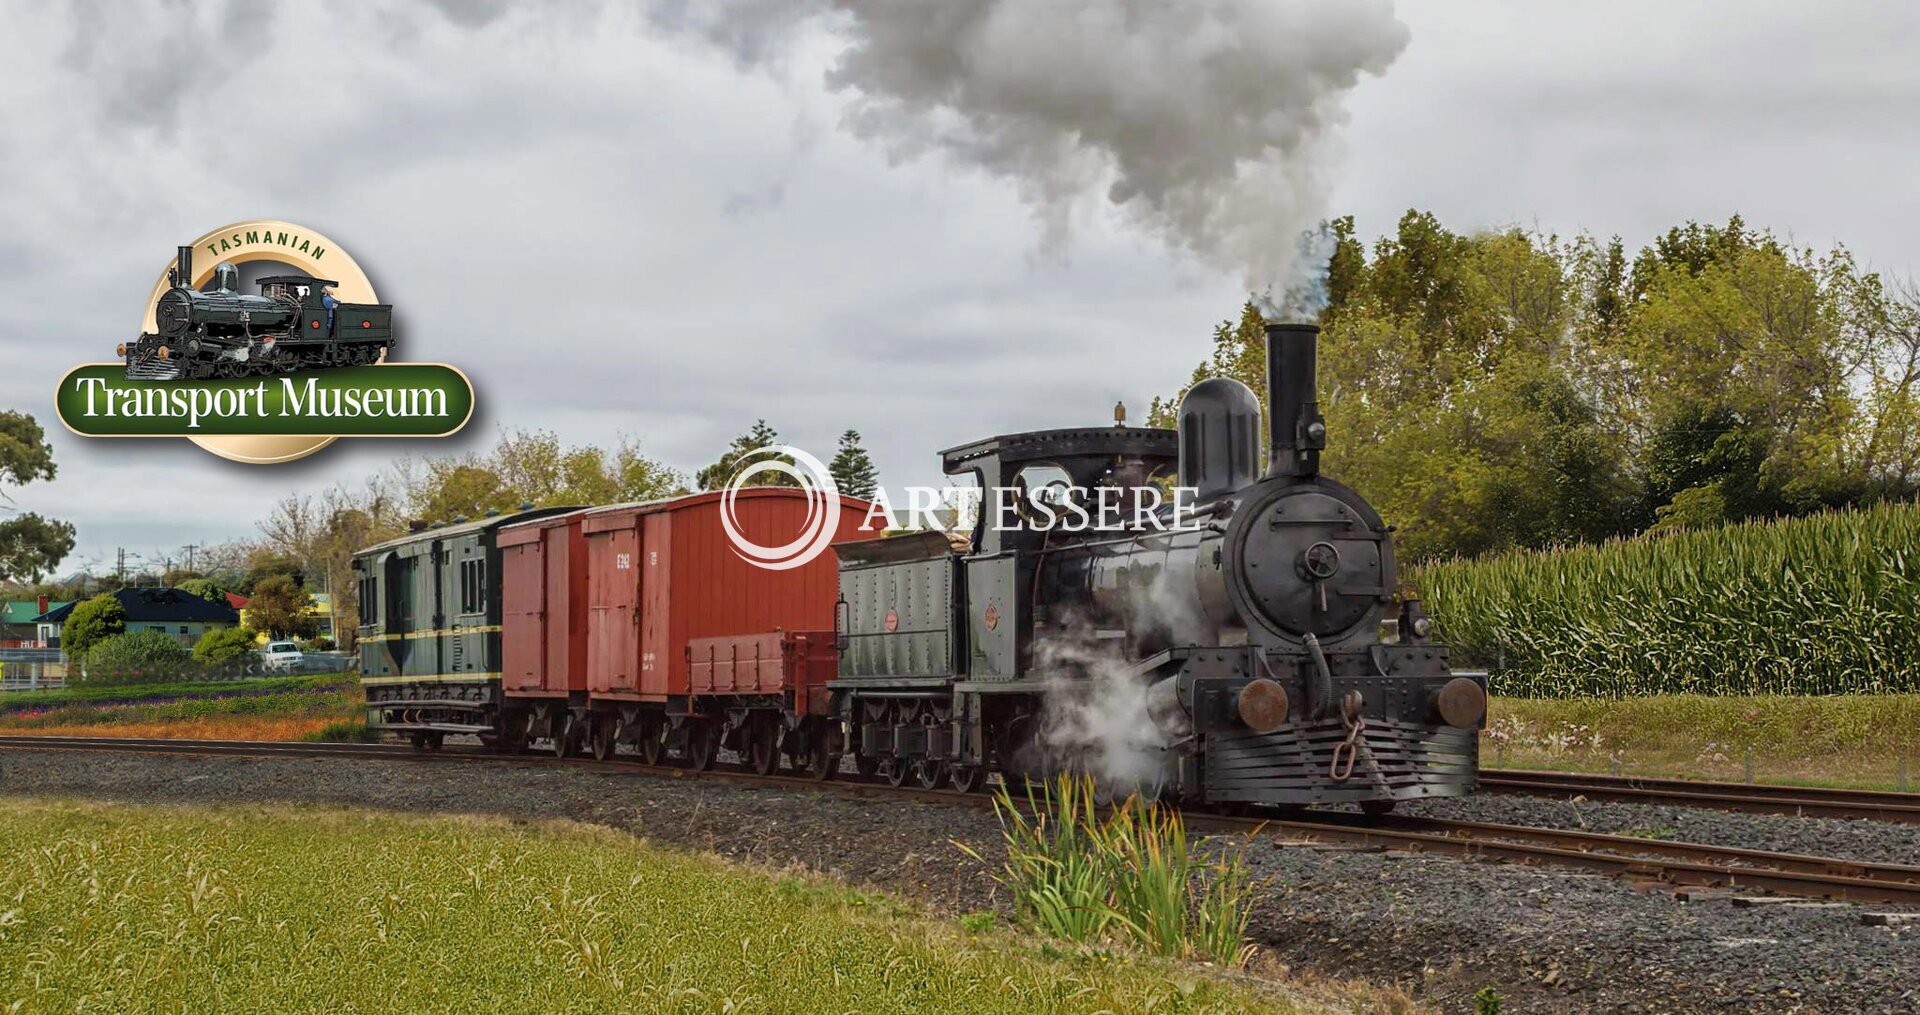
{"x": 1752, "y": 798}
{"x": 1675, "y": 863}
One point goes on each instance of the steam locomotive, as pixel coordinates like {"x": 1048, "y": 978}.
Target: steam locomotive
{"x": 221, "y": 332}
{"x": 1259, "y": 654}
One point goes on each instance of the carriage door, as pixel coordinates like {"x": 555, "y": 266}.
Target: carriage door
{"x": 522, "y": 600}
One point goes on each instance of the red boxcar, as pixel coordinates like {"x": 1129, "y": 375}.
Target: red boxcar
{"x": 543, "y": 622}
{"x": 663, "y": 573}
{"x": 792, "y": 665}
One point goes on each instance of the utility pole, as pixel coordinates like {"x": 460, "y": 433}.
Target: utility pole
{"x": 190, "y": 547}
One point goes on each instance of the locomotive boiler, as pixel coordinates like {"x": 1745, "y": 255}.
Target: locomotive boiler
{"x": 1255, "y": 651}
{"x": 218, "y": 331}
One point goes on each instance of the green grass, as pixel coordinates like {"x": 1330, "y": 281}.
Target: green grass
{"x": 1827, "y": 604}
{"x": 253, "y": 702}
{"x": 12, "y": 701}
{"x": 127, "y": 908}
{"x": 345, "y": 731}
{"x": 1842, "y": 740}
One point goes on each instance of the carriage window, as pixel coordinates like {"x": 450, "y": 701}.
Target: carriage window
{"x": 369, "y": 605}
{"x": 473, "y": 582}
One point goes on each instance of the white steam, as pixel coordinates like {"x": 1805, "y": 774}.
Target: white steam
{"x": 1098, "y": 719}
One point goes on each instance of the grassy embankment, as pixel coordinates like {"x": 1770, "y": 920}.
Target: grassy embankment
{"x": 271, "y": 708}
{"x": 122, "y": 907}
{"x": 1832, "y": 740}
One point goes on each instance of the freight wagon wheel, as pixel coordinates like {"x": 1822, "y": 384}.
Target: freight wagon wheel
{"x": 822, "y": 762}
{"x": 651, "y": 743}
{"x": 931, "y": 772}
{"x": 967, "y": 778}
{"x": 605, "y": 731}
{"x": 702, "y": 745}
{"x": 564, "y": 732}
{"x": 763, "y": 748}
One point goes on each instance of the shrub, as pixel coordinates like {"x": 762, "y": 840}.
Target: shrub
{"x": 321, "y": 644}
{"x": 1827, "y": 604}
{"x": 137, "y": 654}
{"x": 90, "y": 623}
{"x": 224, "y": 645}
{"x": 1131, "y": 874}
{"x": 346, "y": 731}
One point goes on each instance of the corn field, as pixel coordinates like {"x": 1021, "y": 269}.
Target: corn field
{"x": 1827, "y": 604}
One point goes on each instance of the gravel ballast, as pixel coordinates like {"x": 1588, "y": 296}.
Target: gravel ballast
{"x": 1548, "y": 940}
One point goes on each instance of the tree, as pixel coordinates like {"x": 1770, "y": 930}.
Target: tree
{"x": 1509, "y": 388}
{"x": 721, "y": 472}
{"x": 283, "y": 609}
{"x": 224, "y": 645}
{"x": 852, "y": 470}
{"x": 91, "y": 622}
{"x": 30, "y": 545}
{"x": 204, "y": 588}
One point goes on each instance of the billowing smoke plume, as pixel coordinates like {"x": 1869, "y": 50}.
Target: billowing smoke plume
{"x": 1211, "y": 125}
{"x": 1208, "y": 123}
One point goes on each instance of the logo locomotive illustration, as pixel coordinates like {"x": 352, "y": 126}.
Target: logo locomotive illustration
{"x": 270, "y": 376}
{"x": 296, "y": 322}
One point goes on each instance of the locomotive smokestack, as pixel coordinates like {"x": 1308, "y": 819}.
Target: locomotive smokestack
{"x": 183, "y": 267}
{"x": 1295, "y": 429}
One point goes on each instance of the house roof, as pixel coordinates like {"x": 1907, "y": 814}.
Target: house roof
{"x": 24, "y": 612}
{"x": 146, "y": 605}
{"x": 237, "y": 601}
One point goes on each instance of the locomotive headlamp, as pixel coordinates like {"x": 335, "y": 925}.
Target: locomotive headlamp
{"x": 1422, "y": 626}
{"x": 120, "y": 350}
{"x": 163, "y": 352}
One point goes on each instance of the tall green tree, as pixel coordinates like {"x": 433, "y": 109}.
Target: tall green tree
{"x": 721, "y": 472}
{"x": 852, "y": 469}
{"x": 280, "y": 607}
{"x": 30, "y": 545}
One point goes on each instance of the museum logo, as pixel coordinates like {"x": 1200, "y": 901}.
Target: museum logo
{"x": 264, "y": 342}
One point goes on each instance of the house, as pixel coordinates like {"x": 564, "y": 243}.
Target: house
{"x": 19, "y": 627}
{"x": 181, "y": 615}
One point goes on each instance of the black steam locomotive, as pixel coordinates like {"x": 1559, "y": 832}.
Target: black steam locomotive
{"x": 220, "y": 332}
{"x": 1278, "y": 663}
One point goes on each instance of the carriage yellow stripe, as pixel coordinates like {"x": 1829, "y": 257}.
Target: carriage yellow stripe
{"x": 441, "y": 632}
{"x": 436, "y": 678}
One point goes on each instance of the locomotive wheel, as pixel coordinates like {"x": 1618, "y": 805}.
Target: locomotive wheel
{"x": 564, "y": 731}
{"x": 895, "y": 769}
{"x": 701, "y": 745}
{"x": 419, "y": 741}
{"x": 763, "y": 749}
{"x": 931, "y": 772}
{"x": 967, "y": 778}
{"x": 652, "y": 743}
{"x": 866, "y": 765}
{"x": 605, "y": 732}
{"x": 435, "y": 740}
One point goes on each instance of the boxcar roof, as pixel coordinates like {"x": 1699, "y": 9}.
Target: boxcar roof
{"x": 687, "y": 500}
{"x": 463, "y": 528}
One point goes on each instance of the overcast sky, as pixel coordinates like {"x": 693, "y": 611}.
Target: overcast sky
{"x": 617, "y": 227}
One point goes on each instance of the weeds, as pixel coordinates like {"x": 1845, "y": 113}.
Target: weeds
{"x": 1128, "y": 874}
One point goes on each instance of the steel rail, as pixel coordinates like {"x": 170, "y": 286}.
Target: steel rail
{"x": 1751, "y": 798}
{"x": 1677, "y": 863}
